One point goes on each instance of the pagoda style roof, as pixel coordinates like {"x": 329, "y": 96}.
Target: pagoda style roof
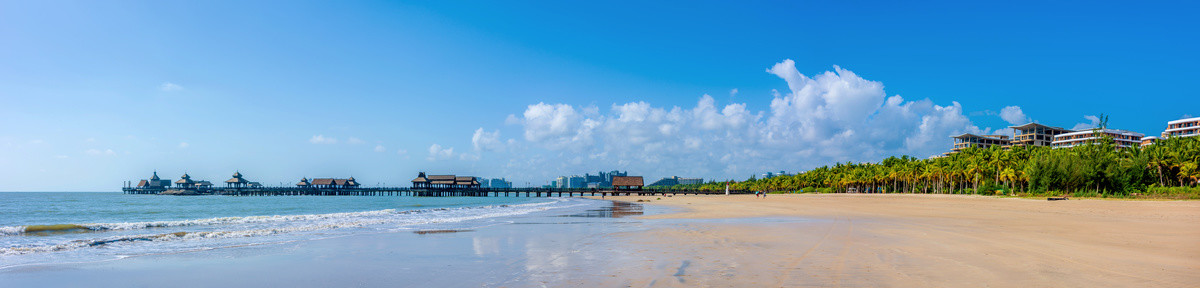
{"x": 185, "y": 179}
{"x": 334, "y": 181}
{"x": 155, "y": 177}
{"x": 303, "y": 182}
{"x": 143, "y": 183}
{"x": 237, "y": 178}
{"x": 465, "y": 180}
{"x": 627, "y": 181}
{"x": 441, "y": 177}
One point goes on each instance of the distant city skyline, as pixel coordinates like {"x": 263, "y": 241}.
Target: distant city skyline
{"x": 100, "y": 93}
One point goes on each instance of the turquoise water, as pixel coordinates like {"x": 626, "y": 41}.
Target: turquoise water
{"x": 38, "y": 228}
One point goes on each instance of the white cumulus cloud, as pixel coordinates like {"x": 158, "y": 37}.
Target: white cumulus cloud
{"x": 489, "y": 141}
{"x": 831, "y": 117}
{"x": 1013, "y": 115}
{"x": 436, "y": 152}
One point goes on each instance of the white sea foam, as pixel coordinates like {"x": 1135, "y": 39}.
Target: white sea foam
{"x": 12, "y": 230}
{"x": 18, "y": 230}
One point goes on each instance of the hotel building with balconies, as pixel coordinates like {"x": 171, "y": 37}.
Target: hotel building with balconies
{"x": 1182, "y": 128}
{"x": 1121, "y": 138}
{"x": 980, "y": 141}
{"x": 1034, "y": 134}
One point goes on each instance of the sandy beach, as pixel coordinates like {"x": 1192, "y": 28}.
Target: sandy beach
{"x": 910, "y": 241}
{"x": 713, "y": 241}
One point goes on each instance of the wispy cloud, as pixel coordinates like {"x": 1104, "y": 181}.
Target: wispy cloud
{"x": 184, "y": 145}
{"x": 321, "y": 139}
{"x": 353, "y": 140}
{"x": 170, "y": 87}
{"x": 380, "y": 148}
{"x": 437, "y": 152}
{"x": 1093, "y": 122}
{"x": 98, "y": 152}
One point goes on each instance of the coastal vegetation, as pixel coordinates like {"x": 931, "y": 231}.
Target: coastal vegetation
{"x": 1167, "y": 169}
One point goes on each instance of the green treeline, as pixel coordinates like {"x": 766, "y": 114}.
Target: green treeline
{"x": 1099, "y": 169}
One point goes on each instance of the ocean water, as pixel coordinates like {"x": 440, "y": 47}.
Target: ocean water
{"x": 54, "y": 228}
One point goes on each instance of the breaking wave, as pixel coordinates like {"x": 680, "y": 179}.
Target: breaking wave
{"x": 257, "y": 226}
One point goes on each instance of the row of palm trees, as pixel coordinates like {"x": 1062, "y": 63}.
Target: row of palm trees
{"x": 1100, "y": 168}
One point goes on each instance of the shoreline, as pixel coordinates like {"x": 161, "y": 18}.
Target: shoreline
{"x": 803, "y": 240}
{"x": 918, "y": 240}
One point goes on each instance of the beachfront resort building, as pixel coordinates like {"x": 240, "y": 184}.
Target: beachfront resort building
{"x": 1149, "y": 140}
{"x": 1034, "y": 134}
{"x": 967, "y": 140}
{"x": 154, "y": 183}
{"x": 1121, "y": 138}
{"x": 773, "y": 174}
{"x": 676, "y": 180}
{"x": 1182, "y": 128}
{"x": 444, "y": 181}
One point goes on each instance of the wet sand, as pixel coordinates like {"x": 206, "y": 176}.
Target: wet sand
{"x": 908, "y": 241}
{"x": 532, "y": 250}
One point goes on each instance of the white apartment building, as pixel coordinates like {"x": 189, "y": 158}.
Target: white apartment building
{"x": 1182, "y": 128}
{"x": 1121, "y": 138}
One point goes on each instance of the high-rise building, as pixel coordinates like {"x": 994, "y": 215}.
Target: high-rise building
{"x": 562, "y": 182}
{"x": 497, "y": 183}
{"x": 576, "y": 181}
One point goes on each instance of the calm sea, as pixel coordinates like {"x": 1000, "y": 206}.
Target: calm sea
{"x": 37, "y": 228}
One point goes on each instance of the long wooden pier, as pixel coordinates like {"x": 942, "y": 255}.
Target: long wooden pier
{"x": 434, "y": 192}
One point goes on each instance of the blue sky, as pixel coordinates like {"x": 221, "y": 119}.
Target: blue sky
{"x": 97, "y": 93}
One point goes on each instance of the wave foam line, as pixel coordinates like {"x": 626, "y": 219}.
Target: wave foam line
{"x": 210, "y": 235}
{"x": 19, "y": 230}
